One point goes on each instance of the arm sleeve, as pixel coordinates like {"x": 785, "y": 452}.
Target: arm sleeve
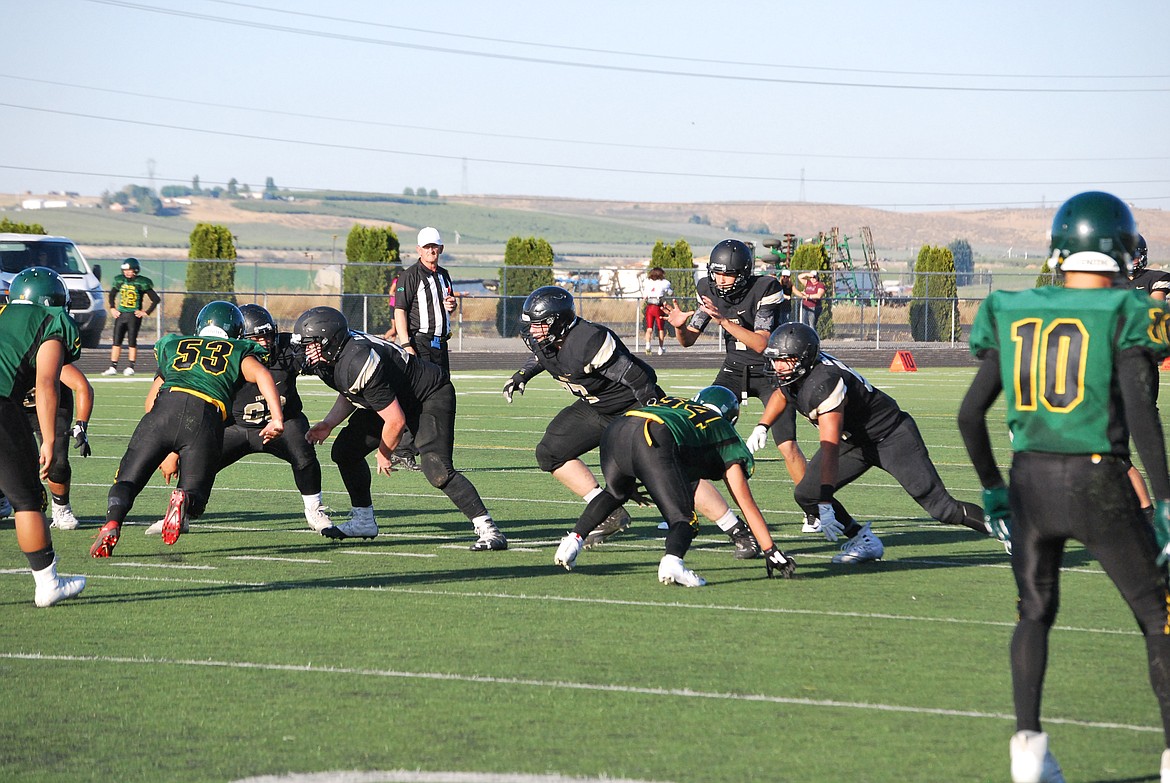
{"x": 973, "y": 419}
{"x": 1135, "y": 373}
{"x": 531, "y": 369}
{"x": 113, "y": 295}
{"x": 154, "y": 298}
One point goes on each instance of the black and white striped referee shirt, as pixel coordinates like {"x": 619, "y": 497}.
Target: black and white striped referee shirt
{"x": 420, "y": 293}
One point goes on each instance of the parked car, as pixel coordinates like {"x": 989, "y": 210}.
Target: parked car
{"x": 86, "y": 302}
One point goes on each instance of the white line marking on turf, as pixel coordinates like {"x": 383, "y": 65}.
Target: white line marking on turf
{"x": 681, "y": 693}
{"x": 418, "y": 776}
{"x": 132, "y": 564}
{"x": 280, "y": 559}
{"x": 365, "y": 553}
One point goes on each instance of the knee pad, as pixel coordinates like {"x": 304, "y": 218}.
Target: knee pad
{"x": 61, "y": 472}
{"x": 437, "y": 470}
{"x": 546, "y": 459}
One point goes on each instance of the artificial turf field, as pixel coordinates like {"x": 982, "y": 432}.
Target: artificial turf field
{"x": 255, "y": 647}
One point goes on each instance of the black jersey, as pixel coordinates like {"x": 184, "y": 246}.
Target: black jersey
{"x": 831, "y": 385}
{"x": 757, "y": 309}
{"x": 594, "y": 364}
{"x": 1150, "y": 280}
{"x": 373, "y": 373}
{"x": 248, "y": 406}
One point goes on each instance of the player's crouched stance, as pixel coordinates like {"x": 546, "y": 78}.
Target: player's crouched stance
{"x": 669, "y": 446}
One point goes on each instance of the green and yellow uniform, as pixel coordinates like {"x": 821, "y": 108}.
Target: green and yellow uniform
{"x": 128, "y": 295}
{"x": 706, "y": 440}
{"x": 207, "y": 367}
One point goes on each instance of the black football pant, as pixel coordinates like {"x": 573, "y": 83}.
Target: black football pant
{"x": 433, "y": 427}
{"x": 634, "y": 449}
{"x": 574, "y": 431}
{"x": 178, "y": 422}
{"x": 423, "y": 349}
{"x": 1057, "y": 497}
{"x": 20, "y": 478}
{"x": 240, "y": 441}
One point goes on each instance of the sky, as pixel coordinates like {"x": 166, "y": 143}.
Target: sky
{"x": 913, "y": 105}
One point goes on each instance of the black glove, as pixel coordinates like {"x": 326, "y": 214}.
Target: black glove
{"x": 515, "y": 385}
{"x": 775, "y": 560}
{"x": 81, "y": 438}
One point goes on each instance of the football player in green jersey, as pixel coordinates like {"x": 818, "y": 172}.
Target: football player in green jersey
{"x": 1074, "y": 364}
{"x": 37, "y": 338}
{"x": 127, "y": 305}
{"x": 669, "y": 446}
{"x": 186, "y": 409}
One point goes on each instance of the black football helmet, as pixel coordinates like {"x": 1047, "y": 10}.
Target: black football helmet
{"x": 259, "y": 326}
{"x": 325, "y": 326}
{"x": 793, "y": 340}
{"x": 219, "y": 319}
{"x": 1142, "y": 256}
{"x": 38, "y": 285}
{"x": 719, "y": 399}
{"x": 731, "y": 257}
{"x": 550, "y": 305}
{"x": 1093, "y": 232}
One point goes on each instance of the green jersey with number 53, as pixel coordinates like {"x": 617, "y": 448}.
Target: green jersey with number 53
{"x": 1057, "y": 349}
{"x": 706, "y": 440}
{"x": 208, "y": 367}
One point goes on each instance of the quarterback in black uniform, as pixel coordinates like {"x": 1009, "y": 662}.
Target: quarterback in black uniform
{"x": 593, "y": 364}
{"x": 382, "y": 391}
{"x": 860, "y": 427}
{"x": 250, "y": 414}
{"x": 747, "y": 307}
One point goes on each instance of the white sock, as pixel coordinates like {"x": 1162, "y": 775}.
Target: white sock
{"x": 591, "y": 494}
{"x": 482, "y": 520}
{"x": 47, "y": 575}
{"x": 311, "y": 501}
{"x": 727, "y": 521}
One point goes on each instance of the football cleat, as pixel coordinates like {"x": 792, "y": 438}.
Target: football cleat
{"x": 568, "y": 550}
{"x": 175, "y": 522}
{"x": 672, "y": 571}
{"x": 404, "y": 462}
{"x": 58, "y": 590}
{"x": 811, "y": 524}
{"x": 157, "y": 528}
{"x": 63, "y": 518}
{"x": 664, "y": 525}
{"x": 616, "y": 522}
{"x": 360, "y": 524}
{"x": 107, "y": 539}
{"x": 862, "y": 547}
{"x": 1165, "y": 774}
{"x": 5, "y": 507}
{"x": 110, "y": 371}
{"x": 746, "y": 547}
{"x": 318, "y": 518}
{"x": 1031, "y": 760}
{"x": 490, "y": 538}
{"x": 128, "y": 371}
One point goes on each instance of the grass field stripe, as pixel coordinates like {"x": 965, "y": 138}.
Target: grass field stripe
{"x": 681, "y": 693}
{"x": 280, "y": 559}
{"x": 365, "y": 553}
{"x": 176, "y": 566}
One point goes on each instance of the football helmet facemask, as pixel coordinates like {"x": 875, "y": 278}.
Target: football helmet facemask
{"x": 259, "y": 326}
{"x": 1093, "y": 232}
{"x": 324, "y": 326}
{"x": 731, "y": 257}
{"x": 719, "y": 399}
{"x": 1142, "y": 256}
{"x": 549, "y": 305}
{"x": 792, "y": 341}
{"x": 219, "y": 319}
{"x": 38, "y": 285}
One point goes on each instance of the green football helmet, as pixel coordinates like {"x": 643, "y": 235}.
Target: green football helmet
{"x": 38, "y": 285}
{"x": 131, "y": 263}
{"x": 719, "y": 399}
{"x": 1093, "y": 232}
{"x": 219, "y": 319}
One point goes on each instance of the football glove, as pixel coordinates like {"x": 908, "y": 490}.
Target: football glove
{"x": 758, "y": 439}
{"x": 1162, "y": 529}
{"x": 81, "y": 438}
{"x": 997, "y": 515}
{"x": 515, "y": 385}
{"x": 778, "y": 562}
{"x": 831, "y": 528}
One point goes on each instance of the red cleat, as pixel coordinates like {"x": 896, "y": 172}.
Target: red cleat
{"x": 107, "y": 539}
{"x": 175, "y": 522}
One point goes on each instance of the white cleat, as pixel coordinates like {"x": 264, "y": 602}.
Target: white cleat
{"x": 360, "y": 524}
{"x": 63, "y": 518}
{"x": 318, "y": 518}
{"x": 489, "y": 538}
{"x": 1031, "y": 760}
{"x": 128, "y": 371}
{"x": 672, "y": 571}
{"x": 61, "y": 588}
{"x": 110, "y": 371}
{"x": 567, "y": 552}
{"x": 862, "y": 547}
{"x": 811, "y": 524}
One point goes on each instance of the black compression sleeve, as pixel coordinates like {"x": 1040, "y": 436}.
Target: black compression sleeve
{"x": 973, "y": 419}
{"x": 1135, "y": 375}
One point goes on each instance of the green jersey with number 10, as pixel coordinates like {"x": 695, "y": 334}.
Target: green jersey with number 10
{"x": 1057, "y": 352}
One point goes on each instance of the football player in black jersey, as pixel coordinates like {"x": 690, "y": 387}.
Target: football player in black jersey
{"x": 383, "y": 390}
{"x": 593, "y": 364}
{"x": 747, "y": 307}
{"x": 860, "y": 427}
{"x": 250, "y": 414}
{"x": 1153, "y": 282}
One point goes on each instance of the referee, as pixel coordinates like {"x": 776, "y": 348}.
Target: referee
{"x": 423, "y": 303}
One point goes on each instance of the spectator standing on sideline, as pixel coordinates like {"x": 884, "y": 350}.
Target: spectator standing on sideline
{"x": 392, "y": 332}
{"x": 812, "y": 297}
{"x": 1074, "y": 364}
{"x": 655, "y": 289}
{"x": 37, "y": 338}
{"x": 785, "y": 314}
{"x": 424, "y": 300}
{"x": 126, "y": 298}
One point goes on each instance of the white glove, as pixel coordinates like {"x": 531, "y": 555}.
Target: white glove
{"x": 513, "y": 386}
{"x": 830, "y": 527}
{"x": 758, "y": 439}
